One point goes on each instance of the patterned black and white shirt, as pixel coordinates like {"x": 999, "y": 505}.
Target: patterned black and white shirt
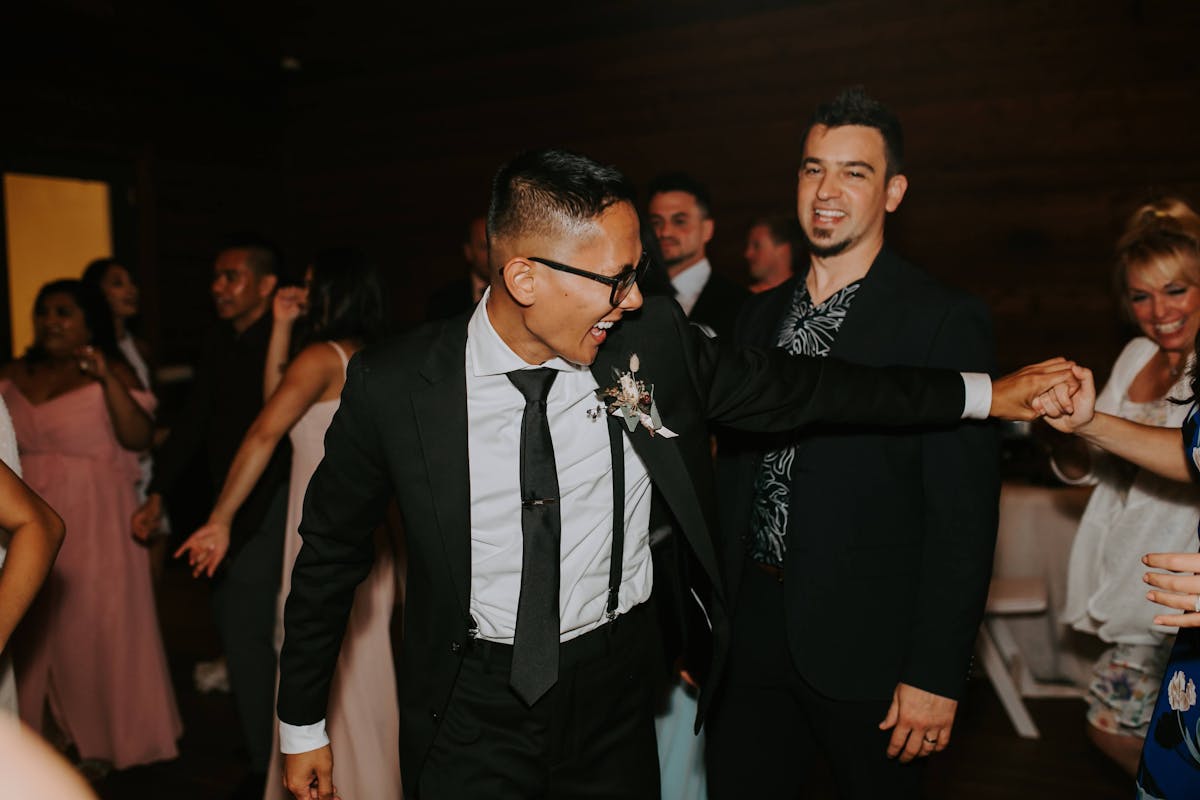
{"x": 810, "y": 330}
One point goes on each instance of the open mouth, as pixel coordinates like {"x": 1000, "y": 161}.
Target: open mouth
{"x": 600, "y": 330}
{"x": 828, "y": 216}
{"x": 1169, "y": 327}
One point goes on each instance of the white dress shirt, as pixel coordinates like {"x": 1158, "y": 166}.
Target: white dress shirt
{"x": 690, "y": 283}
{"x": 583, "y": 459}
{"x": 582, "y": 456}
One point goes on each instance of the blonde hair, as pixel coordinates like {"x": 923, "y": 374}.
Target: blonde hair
{"x": 1161, "y": 232}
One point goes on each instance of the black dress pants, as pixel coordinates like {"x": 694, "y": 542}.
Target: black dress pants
{"x": 770, "y": 725}
{"x": 244, "y": 599}
{"x": 590, "y": 736}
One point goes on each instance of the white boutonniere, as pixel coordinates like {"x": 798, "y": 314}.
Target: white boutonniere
{"x": 632, "y": 400}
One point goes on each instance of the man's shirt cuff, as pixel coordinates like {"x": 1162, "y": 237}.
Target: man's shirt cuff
{"x": 977, "y": 402}
{"x": 301, "y": 738}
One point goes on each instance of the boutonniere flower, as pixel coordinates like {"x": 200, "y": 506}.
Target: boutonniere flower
{"x": 632, "y": 400}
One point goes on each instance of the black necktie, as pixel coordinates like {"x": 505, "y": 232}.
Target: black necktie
{"x": 535, "y": 643}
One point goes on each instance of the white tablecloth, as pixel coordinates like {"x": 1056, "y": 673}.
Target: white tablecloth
{"x": 1037, "y": 526}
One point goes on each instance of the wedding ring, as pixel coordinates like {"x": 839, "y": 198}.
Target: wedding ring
{"x": 930, "y": 741}
{"x": 1198, "y": 604}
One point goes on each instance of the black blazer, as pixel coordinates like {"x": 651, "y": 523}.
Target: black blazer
{"x": 719, "y": 303}
{"x": 402, "y": 429}
{"x": 891, "y": 532}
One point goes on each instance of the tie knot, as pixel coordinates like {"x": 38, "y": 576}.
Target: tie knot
{"x": 534, "y": 384}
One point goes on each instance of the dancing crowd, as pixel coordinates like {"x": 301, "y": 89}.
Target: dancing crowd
{"x": 635, "y": 515}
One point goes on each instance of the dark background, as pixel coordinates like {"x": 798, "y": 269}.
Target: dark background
{"x": 1033, "y": 129}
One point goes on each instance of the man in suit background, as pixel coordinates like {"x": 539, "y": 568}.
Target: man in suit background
{"x": 841, "y": 526}
{"x": 773, "y": 244}
{"x": 461, "y": 295}
{"x": 445, "y": 419}
{"x": 681, "y": 214}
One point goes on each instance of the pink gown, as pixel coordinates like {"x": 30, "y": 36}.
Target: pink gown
{"x": 363, "y": 719}
{"x": 91, "y": 646}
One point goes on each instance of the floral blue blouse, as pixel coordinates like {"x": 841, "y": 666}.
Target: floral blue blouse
{"x": 1170, "y": 768}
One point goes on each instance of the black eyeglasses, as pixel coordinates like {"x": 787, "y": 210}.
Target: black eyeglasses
{"x": 621, "y": 283}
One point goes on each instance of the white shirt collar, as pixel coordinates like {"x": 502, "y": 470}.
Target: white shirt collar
{"x": 690, "y": 283}
{"x": 488, "y": 353}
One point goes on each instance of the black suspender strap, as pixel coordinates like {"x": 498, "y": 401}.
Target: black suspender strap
{"x": 616, "y": 441}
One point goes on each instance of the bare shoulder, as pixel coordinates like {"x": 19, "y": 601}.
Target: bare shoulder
{"x": 318, "y": 356}
{"x": 317, "y": 365}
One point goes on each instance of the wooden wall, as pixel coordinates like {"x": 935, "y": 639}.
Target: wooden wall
{"x": 190, "y": 140}
{"x": 1032, "y": 129}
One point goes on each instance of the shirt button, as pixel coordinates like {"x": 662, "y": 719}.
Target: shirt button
{"x": 436, "y": 716}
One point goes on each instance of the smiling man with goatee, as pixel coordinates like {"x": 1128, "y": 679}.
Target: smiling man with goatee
{"x": 900, "y": 519}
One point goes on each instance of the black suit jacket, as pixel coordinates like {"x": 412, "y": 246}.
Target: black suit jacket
{"x": 719, "y": 303}
{"x": 402, "y": 428}
{"x": 891, "y": 532}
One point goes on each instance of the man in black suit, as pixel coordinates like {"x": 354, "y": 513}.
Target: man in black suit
{"x": 529, "y": 653}
{"x": 840, "y": 526}
{"x": 681, "y": 214}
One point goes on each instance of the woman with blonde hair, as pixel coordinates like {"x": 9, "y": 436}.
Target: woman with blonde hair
{"x": 1133, "y": 510}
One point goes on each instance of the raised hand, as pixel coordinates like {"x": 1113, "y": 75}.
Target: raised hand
{"x": 290, "y": 303}
{"x": 1014, "y": 396}
{"x": 1069, "y": 413}
{"x": 206, "y": 548}
{"x": 92, "y": 362}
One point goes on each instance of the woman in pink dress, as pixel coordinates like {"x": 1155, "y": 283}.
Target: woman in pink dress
{"x": 344, "y": 312}
{"x": 89, "y": 651}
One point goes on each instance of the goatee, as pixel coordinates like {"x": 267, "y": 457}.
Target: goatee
{"x": 825, "y": 250}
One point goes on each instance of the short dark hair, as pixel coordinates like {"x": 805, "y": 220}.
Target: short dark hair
{"x": 782, "y": 228}
{"x": 853, "y": 106}
{"x": 96, "y": 316}
{"x": 681, "y": 182}
{"x": 262, "y": 256}
{"x": 552, "y": 192}
{"x": 345, "y": 300}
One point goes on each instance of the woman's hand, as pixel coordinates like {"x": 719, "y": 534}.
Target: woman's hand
{"x": 206, "y": 548}
{"x": 290, "y": 304}
{"x": 1182, "y": 591}
{"x": 1068, "y": 413}
{"x": 92, "y": 363}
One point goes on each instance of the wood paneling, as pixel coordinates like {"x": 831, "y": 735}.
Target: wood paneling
{"x": 1032, "y": 129}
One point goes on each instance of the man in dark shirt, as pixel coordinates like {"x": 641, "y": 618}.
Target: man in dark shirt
{"x": 226, "y": 397}
{"x": 834, "y": 526}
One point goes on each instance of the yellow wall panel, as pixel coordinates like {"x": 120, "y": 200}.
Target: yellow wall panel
{"x": 54, "y": 227}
